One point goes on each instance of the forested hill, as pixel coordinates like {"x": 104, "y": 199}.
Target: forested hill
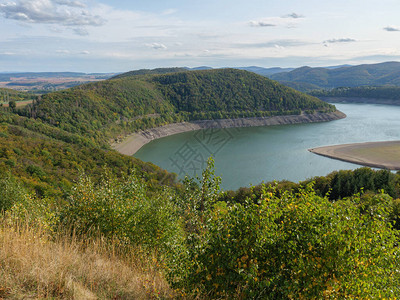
{"x": 157, "y": 71}
{"x": 369, "y": 92}
{"x": 103, "y": 110}
{"x": 387, "y": 73}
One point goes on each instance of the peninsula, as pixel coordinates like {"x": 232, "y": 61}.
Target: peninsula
{"x": 384, "y": 155}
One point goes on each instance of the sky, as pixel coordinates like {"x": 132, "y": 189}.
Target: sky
{"x": 117, "y": 36}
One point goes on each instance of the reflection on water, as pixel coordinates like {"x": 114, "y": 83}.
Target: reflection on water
{"x": 245, "y": 156}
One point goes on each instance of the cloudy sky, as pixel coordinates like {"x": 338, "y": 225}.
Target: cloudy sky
{"x": 115, "y": 36}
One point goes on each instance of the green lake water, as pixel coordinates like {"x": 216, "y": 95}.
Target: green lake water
{"x": 245, "y": 156}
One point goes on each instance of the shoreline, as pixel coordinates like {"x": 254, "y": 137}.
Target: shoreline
{"x": 382, "y": 155}
{"x": 132, "y": 143}
{"x": 361, "y": 100}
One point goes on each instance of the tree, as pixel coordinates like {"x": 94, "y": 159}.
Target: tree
{"x": 12, "y": 104}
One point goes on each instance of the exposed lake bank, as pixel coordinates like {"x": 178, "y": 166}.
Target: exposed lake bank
{"x": 384, "y": 155}
{"x": 131, "y": 144}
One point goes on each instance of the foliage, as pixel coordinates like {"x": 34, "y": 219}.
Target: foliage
{"x": 11, "y": 191}
{"x": 336, "y": 185}
{"x": 30, "y": 151}
{"x": 275, "y": 244}
{"x": 230, "y": 90}
{"x": 297, "y": 246}
{"x": 121, "y": 210}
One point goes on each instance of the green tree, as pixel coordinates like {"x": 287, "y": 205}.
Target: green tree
{"x": 12, "y": 104}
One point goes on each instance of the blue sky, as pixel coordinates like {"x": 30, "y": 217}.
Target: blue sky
{"x": 117, "y": 36}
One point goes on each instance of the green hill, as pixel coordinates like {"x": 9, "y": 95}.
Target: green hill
{"x": 350, "y": 76}
{"x": 103, "y": 110}
{"x": 48, "y": 160}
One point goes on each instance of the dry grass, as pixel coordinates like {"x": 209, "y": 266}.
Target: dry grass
{"x": 34, "y": 266}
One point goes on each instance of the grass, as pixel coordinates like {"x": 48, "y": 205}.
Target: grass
{"x": 35, "y": 266}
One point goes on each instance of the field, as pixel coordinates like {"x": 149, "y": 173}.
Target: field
{"x": 374, "y": 154}
{"x": 18, "y": 103}
{"x": 46, "y": 82}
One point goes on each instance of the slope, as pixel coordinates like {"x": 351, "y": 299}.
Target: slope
{"x": 49, "y": 160}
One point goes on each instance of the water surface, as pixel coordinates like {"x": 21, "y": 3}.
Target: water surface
{"x": 245, "y": 156}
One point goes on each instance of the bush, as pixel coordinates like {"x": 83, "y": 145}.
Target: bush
{"x": 121, "y": 210}
{"x": 298, "y": 246}
{"x": 11, "y": 192}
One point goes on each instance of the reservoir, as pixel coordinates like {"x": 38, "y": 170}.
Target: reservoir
{"x": 251, "y": 155}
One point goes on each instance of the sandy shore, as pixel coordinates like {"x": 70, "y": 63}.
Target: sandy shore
{"x": 131, "y": 144}
{"x": 384, "y": 155}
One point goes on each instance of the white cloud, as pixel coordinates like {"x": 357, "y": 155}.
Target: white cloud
{"x": 293, "y": 16}
{"x": 62, "y": 12}
{"x": 85, "y": 52}
{"x": 289, "y": 21}
{"x": 261, "y": 24}
{"x": 81, "y": 31}
{"x": 342, "y": 40}
{"x": 157, "y": 46}
{"x": 391, "y": 28}
{"x": 70, "y": 3}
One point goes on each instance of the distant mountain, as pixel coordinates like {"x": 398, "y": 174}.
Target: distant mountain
{"x": 6, "y": 76}
{"x": 258, "y": 70}
{"x": 157, "y": 71}
{"x": 265, "y": 71}
{"x": 199, "y": 68}
{"x": 387, "y": 73}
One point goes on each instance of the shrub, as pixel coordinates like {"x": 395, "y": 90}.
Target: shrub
{"x": 121, "y": 210}
{"x": 11, "y": 192}
{"x": 298, "y": 246}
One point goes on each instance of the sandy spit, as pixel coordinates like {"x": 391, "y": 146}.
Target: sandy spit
{"x": 131, "y": 144}
{"x": 383, "y": 155}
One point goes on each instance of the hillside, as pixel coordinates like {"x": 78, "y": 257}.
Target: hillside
{"x": 49, "y": 160}
{"x": 103, "y": 110}
{"x": 387, "y": 73}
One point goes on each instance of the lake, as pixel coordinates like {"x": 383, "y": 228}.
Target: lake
{"x": 249, "y": 156}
